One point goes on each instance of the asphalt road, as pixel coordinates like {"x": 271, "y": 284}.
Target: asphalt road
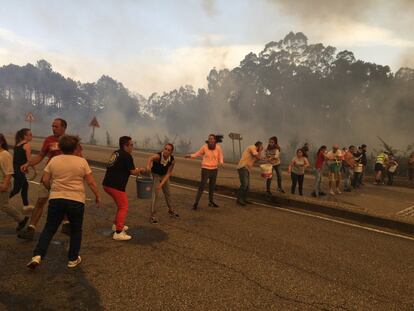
{"x": 230, "y": 258}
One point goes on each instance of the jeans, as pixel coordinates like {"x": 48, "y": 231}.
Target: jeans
{"x": 356, "y": 180}
{"x": 244, "y": 176}
{"x": 297, "y": 179}
{"x": 318, "y": 181}
{"x": 156, "y": 193}
{"x": 58, "y": 208}
{"x": 211, "y": 175}
{"x": 347, "y": 177}
{"x": 21, "y": 185}
{"x": 276, "y": 168}
{"x": 11, "y": 211}
{"x": 390, "y": 176}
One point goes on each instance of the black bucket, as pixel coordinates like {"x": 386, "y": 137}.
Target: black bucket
{"x": 144, "y": 187}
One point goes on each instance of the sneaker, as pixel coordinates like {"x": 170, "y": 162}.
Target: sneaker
{"x": 240, "y": 202}
{"x": 153, "y": 220}
{"x": 27, "y": 233}
{"x": 173, "y": 214}
{"x": 338, "y": 191}
{"x": 74, "y": 263}
{"x": 65, "y": 228}
{"x": 195, "y": 206}
{"x": 122, "y": 236}
{"x": 34, "y": 262}
{"x": 212, "y": 204}
{"x": 28, "y": 208}
{"x": 22, "y": 224}
{"x": 331, "y": 192}
{"x": 114, "y": 228}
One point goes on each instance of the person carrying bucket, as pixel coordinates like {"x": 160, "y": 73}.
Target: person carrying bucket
{"x": 334, "y": 159}
{"x": 273, "y": 157}
{"x": 212, "y": 159}
{"x": 119, "y": 168}
{"x": 161, "y": 166}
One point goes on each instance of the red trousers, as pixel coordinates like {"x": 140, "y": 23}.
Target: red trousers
{"x": 121, "y": 201}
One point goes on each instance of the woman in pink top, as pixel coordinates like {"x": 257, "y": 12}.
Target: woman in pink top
{"x": 212, "y": 159}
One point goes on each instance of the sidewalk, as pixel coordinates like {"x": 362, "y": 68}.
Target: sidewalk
{"x": 388, "y": 202}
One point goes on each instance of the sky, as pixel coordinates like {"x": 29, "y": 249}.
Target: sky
{"x": 156, "y": 46}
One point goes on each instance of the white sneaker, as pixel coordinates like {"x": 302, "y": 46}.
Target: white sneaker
{"x": 122, "y": 236}
{"x": 74, "y": 263}
{"x": 331, "y": 192}
{"x": 114, "y": 228}
{"x": 28, "y": 208}
{"x": 338, "y": 191}
{"x": 34, "y": 262}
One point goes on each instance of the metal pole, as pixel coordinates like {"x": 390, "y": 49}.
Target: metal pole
{"x": 240, "y": 148}
{"x": 234, "y": 153}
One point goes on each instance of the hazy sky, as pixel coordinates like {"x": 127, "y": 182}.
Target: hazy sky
{"x": 159, "y": 45}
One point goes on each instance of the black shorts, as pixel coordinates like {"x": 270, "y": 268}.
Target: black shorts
{"x": 379, "y": 167}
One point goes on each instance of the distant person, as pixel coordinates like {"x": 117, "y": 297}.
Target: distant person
{"x": 305, "y": 150}
{"x": 50, "y": 149}
{"x": 212, "y": 158}
{"x": 348, "y": 167}
{"x": 411, "y": 167}
{"x": 319, "y": 163}
{"x": 364, "y": 162}
{"x": 21, "y": 155}
{"x": 273, "y": 157}
{"x": 161, "y": 165}
{"x": 358, "y": 168}
{"x": 250, "y": 155}
{"x": 6, "y": 172}
{"x": 64, "y": 176}
{"x": 119, "y": 168}
{"x": 297, "y": 171}
{"x": 334, "y": 160}
{"x": 380, "y": 165}
{"x": 392, "y": 165}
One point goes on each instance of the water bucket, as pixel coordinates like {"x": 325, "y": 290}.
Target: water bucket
{"x": 358, "y": 168}
{"x": 144, "y": 187}
{"x": 267, "y": 170}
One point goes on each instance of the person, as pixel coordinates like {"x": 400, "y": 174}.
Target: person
{"x": 348, "y": 167}
{"x": 411, "y": 167}
{"x": 305, "y": 150}
{"x": 212, "y": 158}
{"x": 364, "y": 162}
{"x": 161, "y": 166}
{"x": 273, "y": 157}
{"x": 21, "y": 155}
{"x": 297, "y": 171}
{"x": 50, "y": 149}
{"x": 64, "y": 176}
{"x": 6, "y": 172}
{"x": 119, "y": 168}
{"x": 380, "y": 165}
{"x": 392, "y": 165}
{"x": 334, "y": 159}
{"x": 320, "y": 160}
{"x": 250, "y": 155}
{"x": 358, "y": 168}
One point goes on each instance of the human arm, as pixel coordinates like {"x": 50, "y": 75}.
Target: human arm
{"x": 92, "y": 185}
{"x": 46, "y": 179}
{"x": 28, "y": 151}
{"x": 197, "y": 154}
{"x": 5, "y": 185}
{"x": 150, "y": 160}
{"x": 33, "y": 161}
{"x": 7, "y": 168}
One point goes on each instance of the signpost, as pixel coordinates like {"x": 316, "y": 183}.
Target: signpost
{"x": 30, "y": 118}
{"x": 233, "y": 137}
{"x": 94, "y": 123}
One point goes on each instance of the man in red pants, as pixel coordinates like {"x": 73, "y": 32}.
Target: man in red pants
{"x": 119, "y": 168}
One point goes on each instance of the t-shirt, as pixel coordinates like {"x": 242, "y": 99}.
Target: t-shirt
{"x": 320, "y": 159}
{"x": 273, "y": 156}
{"x": 349, "y": 160}
{"x": 118, "y": 170}
{"x": 51, "y": 147}
{"x": 6, "y": 164}
{"x": 211, "y": 158}
{"x": 298, "y": 165}
{"x": 67, "y": 174}
{"x": 248, "y": 157}
{"x": 161, "y": 166}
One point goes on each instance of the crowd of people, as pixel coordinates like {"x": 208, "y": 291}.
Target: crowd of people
{"x": 66, "y": 172}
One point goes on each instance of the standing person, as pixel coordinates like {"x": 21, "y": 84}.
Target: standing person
{"x": 364, "y": 162}
{"x": 161, "y": 166}
{"x": 411, "y": 167}
{"x": 380, "y": 165}
{"x": 250, "y": 155}
{"x": 357, "y": 168}
{"x": 212, "y": 159}
{"x": 320, "y": 160}
{"x": 297, "y": 171}
{"x": 334, "y": 159}
{"x": 50, "y": 149}
{"x": 273, "y": 157}
{"x": 391, "y": 168}
{"x": 119, "y": 168}
{"x": 348, "y": 166}
{"x": 64, "y": 176}
{"x": 21, "y": 155}
{"x": 6, "y": 172}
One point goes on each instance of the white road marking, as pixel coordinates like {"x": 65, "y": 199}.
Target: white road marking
{"x": 406, "y": 212}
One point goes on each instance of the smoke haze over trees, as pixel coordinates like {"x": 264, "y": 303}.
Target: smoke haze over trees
{"x": 291, "y": 89}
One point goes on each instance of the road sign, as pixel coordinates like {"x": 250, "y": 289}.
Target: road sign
{"x": 235, "y": 136}
{"x": 30, "y": 117}
{"x": 94, "y": 122}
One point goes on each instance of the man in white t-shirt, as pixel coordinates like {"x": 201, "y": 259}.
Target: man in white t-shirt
{"x": 64, "y": 176}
